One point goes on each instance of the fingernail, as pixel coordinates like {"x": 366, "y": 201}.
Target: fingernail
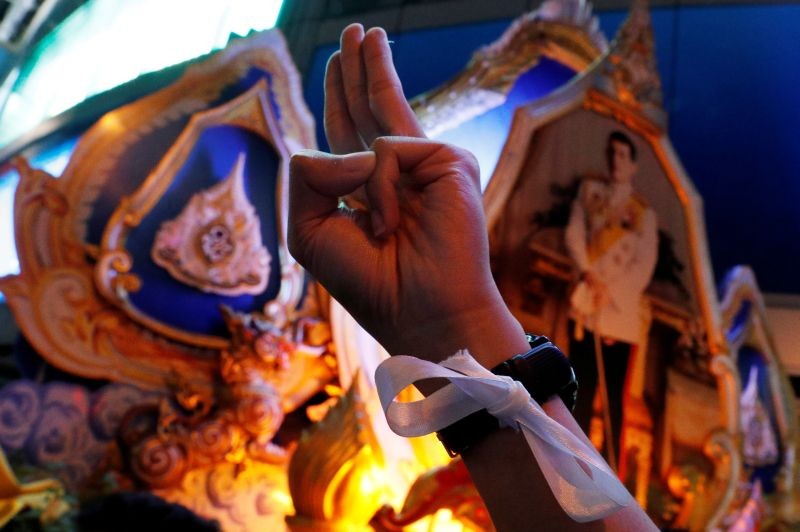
{"x": 382, "y": 35}
{"x": 355, "y": 25}
{"x": 378, "y": 226}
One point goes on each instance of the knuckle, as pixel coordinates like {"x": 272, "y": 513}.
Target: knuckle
{"x": 382, "y": 86}
{"x": 470, "y": 162}
{"x": 354, "y": 91}
{"x": 465, "y": 159}
{"x": 462, "y": 161}
{"x": 381, "y": 144}
{"x": 295, "y": 165}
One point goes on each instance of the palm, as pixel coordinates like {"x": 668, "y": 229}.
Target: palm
{"x": 373, "y": 276}
{"x": 410, "y": 263}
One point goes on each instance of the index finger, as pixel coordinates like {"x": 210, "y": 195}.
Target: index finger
{"x": 340, "y": 130}
{"x": 385, "y": 92}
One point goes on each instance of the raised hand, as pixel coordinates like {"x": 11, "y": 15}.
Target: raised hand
{"x": 409, "y": 257}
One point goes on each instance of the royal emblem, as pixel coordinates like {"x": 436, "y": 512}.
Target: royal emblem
{"x": 215, "y": 243}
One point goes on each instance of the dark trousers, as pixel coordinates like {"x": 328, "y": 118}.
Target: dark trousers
{"x": 615, "y": 361}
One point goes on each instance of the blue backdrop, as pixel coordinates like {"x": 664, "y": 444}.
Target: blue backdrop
{"x": 730, "y": 76}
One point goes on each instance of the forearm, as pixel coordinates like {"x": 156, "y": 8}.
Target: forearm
{"x": 489, "y": 332}
{"x": 502, "y": 465}
{"x": 514, "y": 489}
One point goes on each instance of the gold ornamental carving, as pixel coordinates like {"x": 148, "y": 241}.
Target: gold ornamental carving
{"x": 215, "y": 242}
{"x": 565, "y": 31}
{"x": 250, "y": 111}
{"x": 236, "y": 421}
{"x": 70, "y": 297}
{"x": 334, "y": 473}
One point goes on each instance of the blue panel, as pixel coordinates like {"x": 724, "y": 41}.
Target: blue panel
{"x": 486, "y": 134}
{"x": 141, "y": 156}
{"x": 210, "y": 162}
{"x": 427, "y": 58}
{"x": 736, "y": 125}
{"x": 315, "y": 81}
{"x": 424, "y": 59}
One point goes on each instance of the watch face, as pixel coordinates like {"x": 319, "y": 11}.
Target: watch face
{"x": 544, "y": 370}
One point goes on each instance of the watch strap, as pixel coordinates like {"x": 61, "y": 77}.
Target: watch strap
{"x": 543, "y": 370}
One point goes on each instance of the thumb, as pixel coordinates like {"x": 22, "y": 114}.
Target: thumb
{"x": 318, "y": 180}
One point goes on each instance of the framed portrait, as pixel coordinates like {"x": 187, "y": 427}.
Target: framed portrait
{"x": 597, "y": 240}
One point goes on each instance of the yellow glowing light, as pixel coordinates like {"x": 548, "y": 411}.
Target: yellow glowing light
{"x": 283, "y": 498}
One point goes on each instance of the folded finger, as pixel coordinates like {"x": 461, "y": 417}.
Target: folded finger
{"x": 354, "y": 82}
{"x": 382, "y": 191}
{"x": 421, "y": 163}
{"x": 339, "y": 127}
{"x": 425, "y": 161}
{"x": 387, "y": 102}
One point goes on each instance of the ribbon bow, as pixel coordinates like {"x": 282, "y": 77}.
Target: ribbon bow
{"x": 583, "y": 484}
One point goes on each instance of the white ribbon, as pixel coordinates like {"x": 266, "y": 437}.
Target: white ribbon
{"x": 584, "y": 485}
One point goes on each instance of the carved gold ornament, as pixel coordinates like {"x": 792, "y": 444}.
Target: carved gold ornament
{"x": 631, "y": 65}
{"x": 564, "y": 30}
{"x": 70, "y": 298}
{"x": 215, "y": 242}
{"x": 221, "y": 232}
{"x": 45, "y": 495}
{"x": 631, "y": 99}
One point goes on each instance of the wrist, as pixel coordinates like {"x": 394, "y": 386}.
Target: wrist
{"x": 488, "y": 331}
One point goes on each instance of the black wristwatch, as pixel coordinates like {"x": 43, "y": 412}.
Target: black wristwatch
{"x": 543, "y": 370}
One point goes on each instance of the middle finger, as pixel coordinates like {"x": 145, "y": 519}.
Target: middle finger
{"x": 354, "y": 80}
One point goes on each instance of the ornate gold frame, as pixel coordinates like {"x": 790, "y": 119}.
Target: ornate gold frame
{"x": 590, "y": 91}
{"x": 250, "y": 111}
{"x": 82, "y": 326}
{"x": 566, "y": 32}
{"x": 741, "y": 288}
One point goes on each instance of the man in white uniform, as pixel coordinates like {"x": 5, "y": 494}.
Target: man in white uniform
{"x": 612, "y": 237}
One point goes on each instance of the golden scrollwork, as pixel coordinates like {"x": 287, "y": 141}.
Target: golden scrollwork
{"x": 70, "y": 298}
{"x": 46, "y": 495}
{"x": 234, "y": 423}
{"x": 334, "y": 474}
{"x": 723, "y": 450}
{"x": 446, "y": 487}
{"x": 564, "y": 31}
{"x": 215, "y": 242}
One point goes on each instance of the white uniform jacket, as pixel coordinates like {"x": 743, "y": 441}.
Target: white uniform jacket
{"x": 612, "y": 233}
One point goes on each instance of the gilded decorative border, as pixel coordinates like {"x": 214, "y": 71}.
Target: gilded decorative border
{"x": 250, "y": 111}
{"x": 55, "y": 300}
{"x": 565, "y": 31}
{"x": 742, "y": 287}
{"x": 582, "y": 93}
{"x": 101, "y": 146}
